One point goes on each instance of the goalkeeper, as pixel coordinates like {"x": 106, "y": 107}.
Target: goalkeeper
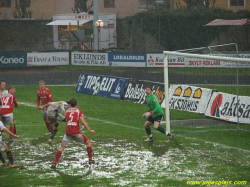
{"x": 54, "y": 115}
{"x": 154, "y": 116}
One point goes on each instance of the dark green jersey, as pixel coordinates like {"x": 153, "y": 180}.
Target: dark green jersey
{"x": 154, "y": 105}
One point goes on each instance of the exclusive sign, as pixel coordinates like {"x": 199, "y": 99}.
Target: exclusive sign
{"x": 225, "y": 106}
{"x": 188, "y": 98}
{"x": 101, "y": 85}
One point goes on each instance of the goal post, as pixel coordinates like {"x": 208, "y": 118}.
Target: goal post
{"x": 189, "y": 55}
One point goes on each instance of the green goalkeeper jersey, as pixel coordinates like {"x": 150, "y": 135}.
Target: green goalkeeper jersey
{"x": 154, "y": 105}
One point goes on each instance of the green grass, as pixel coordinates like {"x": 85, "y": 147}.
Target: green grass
{"x": 204, "y": 153}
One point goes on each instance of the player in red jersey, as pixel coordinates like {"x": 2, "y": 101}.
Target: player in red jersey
{"x": 45, "y": 96}
{"x": 73, "y": 133}
{"x": 6, "y": 112}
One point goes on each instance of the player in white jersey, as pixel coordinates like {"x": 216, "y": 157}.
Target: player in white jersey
{"x": 54, "y": 115}
{"x": 5, "y": 147}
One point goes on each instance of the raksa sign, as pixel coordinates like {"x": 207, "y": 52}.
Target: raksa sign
{"x": 225, "y": 106}
{"x": 100, "y": 85}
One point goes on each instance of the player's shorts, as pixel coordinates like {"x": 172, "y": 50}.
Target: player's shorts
{"x": 2, "y": 148}
{"x": 80, "y": 138}
{"x": 8, "y": 119}
{"x": 156, "y": 118}
{"x": 52, "y": 120}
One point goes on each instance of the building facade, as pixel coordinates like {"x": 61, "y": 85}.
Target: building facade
{"x": 45, "y": 9}
{"x": 234, "y": 5}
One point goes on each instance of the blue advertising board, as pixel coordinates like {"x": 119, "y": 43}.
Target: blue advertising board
{"x": 101, "y": 85}
{"x": 127, "y": 59}
{"x": 13, "y": 59}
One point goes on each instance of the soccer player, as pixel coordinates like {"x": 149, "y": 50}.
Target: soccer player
{"x": 5, "y": 147}
{"x": 73, "y": 133}
{"x": 2, "y": 88}
{"x": 6, "y": 112}
{"x": 53, "y": 115}
{"x": 155, "y": 114}
{"x": 45, "y": 96}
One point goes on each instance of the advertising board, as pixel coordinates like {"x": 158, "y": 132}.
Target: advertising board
{"x": 48, "y": 59}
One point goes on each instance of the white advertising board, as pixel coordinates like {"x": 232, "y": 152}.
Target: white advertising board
{"x": 188, "y": 98}
{"x": 89, "y": 59}
{"x": 127, "y": 59}
{"x": 224, "y": 106}
{"x": 48, "y": 59}
{"x": 157, "y": 60}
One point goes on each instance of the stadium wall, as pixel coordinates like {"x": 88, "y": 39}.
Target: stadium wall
{"x": 111, "y": 59}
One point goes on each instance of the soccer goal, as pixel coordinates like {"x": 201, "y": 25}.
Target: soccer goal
{"x": 222, "y": 77}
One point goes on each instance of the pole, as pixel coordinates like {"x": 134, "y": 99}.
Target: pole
{"x": 159, "y": 29}
{"x": 96, "y": 36}
{"x": 166, "y": 82}
{"x": 159, "y": 11}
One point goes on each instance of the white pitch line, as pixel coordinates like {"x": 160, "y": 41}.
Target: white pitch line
{"x": 118, "y": 124}
{"x": 113, "y": 123}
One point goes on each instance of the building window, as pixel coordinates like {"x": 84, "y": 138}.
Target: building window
{"x": 5, "y": 3}
{"x": 236, "y": 3}
{"x": 109, "y": 3}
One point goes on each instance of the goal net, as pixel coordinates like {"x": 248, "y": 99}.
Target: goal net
{"x": 207, "y": 81}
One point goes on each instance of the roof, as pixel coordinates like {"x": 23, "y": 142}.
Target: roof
{"x": 223, "y": 22}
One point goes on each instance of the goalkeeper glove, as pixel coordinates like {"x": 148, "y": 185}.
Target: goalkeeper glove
{"x": 147, "y": 114}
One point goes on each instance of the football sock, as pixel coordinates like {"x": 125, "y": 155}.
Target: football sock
{"x": 162, "y": 130}
{"x": 10, "y": 157}
{"x": 58, "y": 155}
{"x": 51, "y": 129}
{"x": 1, "y": 158}
{"x": 48, "y": 126}
{"x": 53, "y": 134}
{"x": 148, "y": 130}
{"x": 12, "y": 129}
{"x": 90, "y": 153}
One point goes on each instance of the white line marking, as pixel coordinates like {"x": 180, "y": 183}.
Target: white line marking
{"x": 104, "y": 121}
{"x": 118, "y": 124}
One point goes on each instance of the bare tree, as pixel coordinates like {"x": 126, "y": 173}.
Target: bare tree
{"x": 21, "y": 9}
{"x": 81, "y": 6}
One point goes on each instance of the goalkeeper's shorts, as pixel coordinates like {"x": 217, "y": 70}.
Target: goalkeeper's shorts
{"x": 156, "y": 118}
